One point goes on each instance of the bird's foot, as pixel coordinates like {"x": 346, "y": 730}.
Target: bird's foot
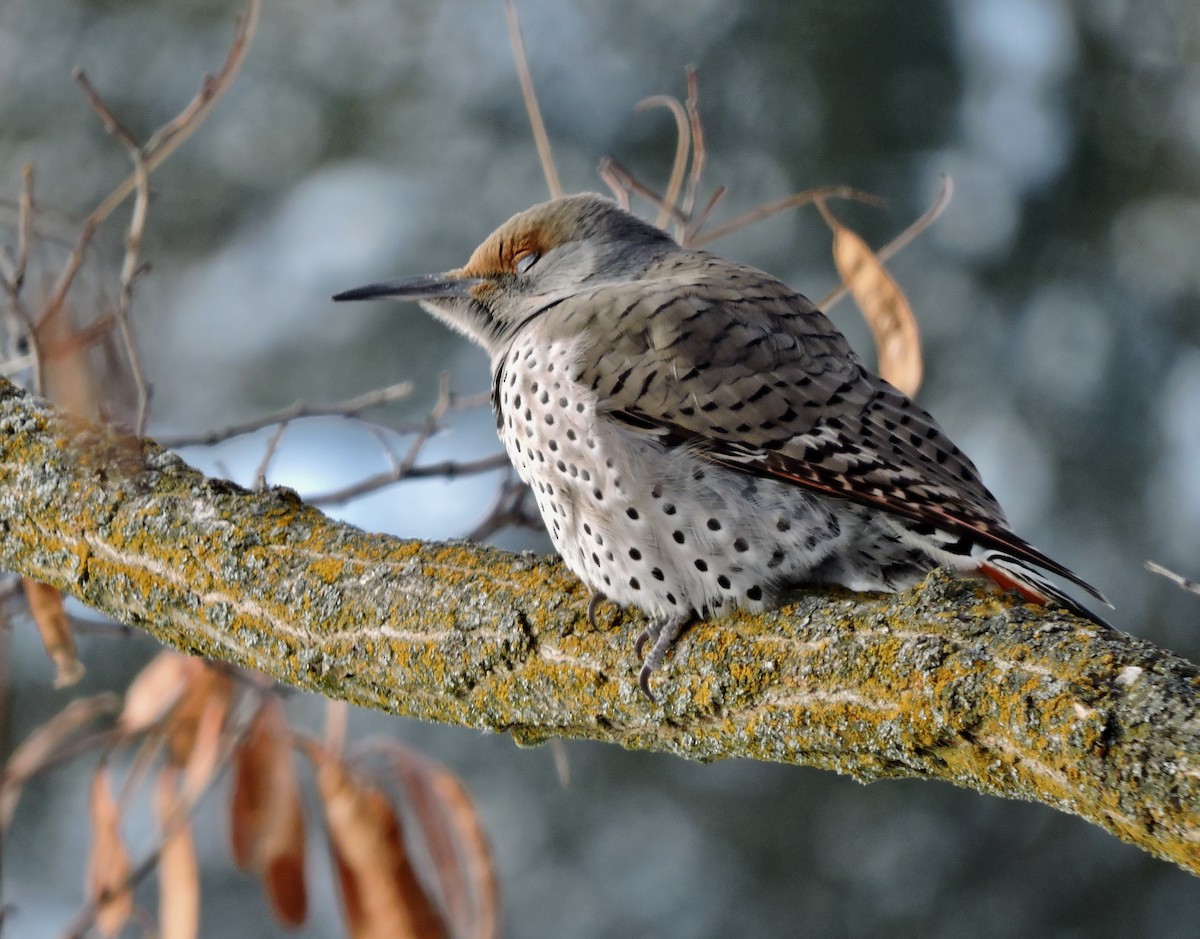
{"x": 661, "y": 633}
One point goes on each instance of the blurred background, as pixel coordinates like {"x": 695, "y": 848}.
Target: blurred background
{"x": 1058, "y": 298}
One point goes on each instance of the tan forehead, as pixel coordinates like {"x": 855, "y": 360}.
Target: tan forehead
{"x": 524, "y": 234}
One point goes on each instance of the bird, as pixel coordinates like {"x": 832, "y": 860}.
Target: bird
{"x": 700, "y": 437}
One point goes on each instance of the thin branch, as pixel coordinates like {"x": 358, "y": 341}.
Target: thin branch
{"x": 133, "y": 244}
{"x": 160, "y": 146}
{"x": 927, "y": 218}
{"x": 529, "y": 96}
{"x": 782, "y": 205}
{"x": 446, "y": 469}
{"x": 1192, "y": 586}
{"x": 264, "y": 465}
{"x": 902, "y": 240}
{"x": 614, "y": 182}
{"x": 511, "y": 508}
{"x": 107, "y": 117}
{"x": 697, "y": 223}
{"x": 627, "y": 181}
{"x": 19, "y": 323}
{"x": 172, "y": 135}
{"x": 682, "y": 148}
{"x": 352, "y": 407}
{"x": 699, "y": 153}
{"x": 24, "y": 226}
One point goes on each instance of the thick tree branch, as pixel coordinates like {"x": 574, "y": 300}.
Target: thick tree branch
{"x": 947, "y": 681}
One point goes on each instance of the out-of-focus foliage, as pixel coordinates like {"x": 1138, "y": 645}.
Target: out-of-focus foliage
{"x": 1059, "y": 307}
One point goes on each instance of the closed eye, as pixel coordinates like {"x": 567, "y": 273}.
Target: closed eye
{"x": 526, "y": 261}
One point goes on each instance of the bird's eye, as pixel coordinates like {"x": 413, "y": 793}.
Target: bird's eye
{"x": 526, "y": 261}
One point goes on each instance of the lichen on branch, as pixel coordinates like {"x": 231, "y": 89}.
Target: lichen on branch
{"x": 947, "y": 681}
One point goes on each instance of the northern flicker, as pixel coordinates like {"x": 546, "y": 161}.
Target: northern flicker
{"x": 698, "y": 436}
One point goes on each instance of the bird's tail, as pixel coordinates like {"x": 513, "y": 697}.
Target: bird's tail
{"x": 1011, "y": 573}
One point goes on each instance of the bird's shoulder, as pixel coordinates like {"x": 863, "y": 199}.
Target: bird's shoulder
{"x": 696, "y": 309}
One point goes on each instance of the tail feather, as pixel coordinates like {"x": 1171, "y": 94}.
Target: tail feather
{"x": 1012, "y": 573}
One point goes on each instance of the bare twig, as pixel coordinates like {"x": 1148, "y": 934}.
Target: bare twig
{"x": 902, "y": 240}
{"x": 260, "y": 474}
{"x": 614, "y": 182}
{"x": 1192, "y": 586}
{"x": 697, "y": 223}
{"x": 158, "y": 148}
{"x": 133, "y": 244}
{"x": 682, "y": 148}
{"x": 401, "y": 468}
{"x": 626, "y": 180}
{"x": 529, "y": 96}
{"x": 918, "y": 227}
{"x": 107, "y": 117}
{"x": 692, "y": 106}
{"x": 167, "y": 139}
{"x": 352, "y": 407}
{"x": 449, "y": 469}
{"x": 782, "y": 205}
{"x": 24, "y": 226}
{"x": 511, "y": 508}
{"x": 21, "y": 332}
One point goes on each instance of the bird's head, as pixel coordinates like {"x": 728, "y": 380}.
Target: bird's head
{"x": 537, "y": 258}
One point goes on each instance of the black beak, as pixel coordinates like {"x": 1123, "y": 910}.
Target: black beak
{"x": 425, "y": 287}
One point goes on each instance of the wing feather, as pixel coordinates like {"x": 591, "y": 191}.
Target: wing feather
{"x": 750, "y": 375}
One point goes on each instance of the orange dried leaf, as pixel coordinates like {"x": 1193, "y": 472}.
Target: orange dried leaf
{"x": 178, "y": 872}
{"x": 54, "y": 626}
{"x": 381, "y": 895}
{"x": 155, "y": 690}
{"x": 454, "y": 840}
{"x": 206, "y": 749}
{"x": 108, "y": 866}
{"x": 283, "y": 881}
{"x": 67, "y": 374}
{"x": 252, "y": 770}
{"x": 267, "y": 813}
{"x": 42, "y": 745}
{"x": 206, "y": 686}
{"x": 884, "y": 307}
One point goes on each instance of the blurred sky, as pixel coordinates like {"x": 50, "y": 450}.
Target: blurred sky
{"x": 1058, "y": 298}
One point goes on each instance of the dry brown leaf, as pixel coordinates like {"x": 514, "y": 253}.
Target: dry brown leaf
{"x": 381, "y": 895}
{"x": 337, "y": 718}
{"x": 207, "y": 686}
{"x": 253, "y": 766}
{"x": 267, "y": 813}
{"x": 178, "y": 872}
{"x": 884, "y": 307}
{"x": 206, "y": 748}
{"x": 108, "y": 866}
{"x": 454, "y": 839}
{"x": 54, "y": 626}
{"x": 156, "y": 689}
{"x": 42, "y": 745}
{"x": 66, "y": 371}
{"x": 283, "y": 881}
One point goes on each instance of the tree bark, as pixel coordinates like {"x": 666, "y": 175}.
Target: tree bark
{"x": 947, "y": 681}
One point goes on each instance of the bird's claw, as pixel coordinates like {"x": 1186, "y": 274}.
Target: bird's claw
{"x": 662, "y": 633}
{"x": 593, "y": 605}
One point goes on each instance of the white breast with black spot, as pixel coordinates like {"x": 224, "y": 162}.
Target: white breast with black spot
{"x": 646, "y": 524}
